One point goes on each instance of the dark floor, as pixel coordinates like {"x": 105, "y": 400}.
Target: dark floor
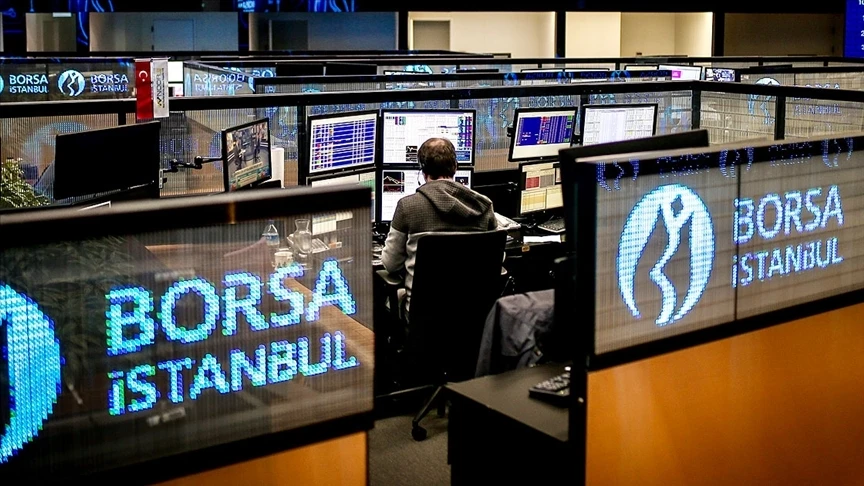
{"x": 395, "y": 459}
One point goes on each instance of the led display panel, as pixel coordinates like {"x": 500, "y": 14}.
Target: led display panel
{"x": 688, "y": 240}
{"x": 123, "y": 347}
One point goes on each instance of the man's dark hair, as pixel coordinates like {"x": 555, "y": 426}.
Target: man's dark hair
{"x": 437, "y": 158}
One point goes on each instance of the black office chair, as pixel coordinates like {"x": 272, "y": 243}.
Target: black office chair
{"x": 457, "y": 278}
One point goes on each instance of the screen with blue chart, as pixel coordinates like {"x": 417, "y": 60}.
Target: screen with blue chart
{"x": 541, "y": 134}
{"x": 854, "y": 45}
{"x": 342, "y": 142}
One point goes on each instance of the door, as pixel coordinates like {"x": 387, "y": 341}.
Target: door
{"x": 432, "y": 35}
{"x": 173, "y": 35}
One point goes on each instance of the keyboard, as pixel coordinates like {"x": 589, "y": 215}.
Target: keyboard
{"x": 555, "y": 390}
{"x": 553, "y": 225}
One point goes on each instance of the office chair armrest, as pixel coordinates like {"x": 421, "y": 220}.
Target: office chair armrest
{"x": 390, "y": 279}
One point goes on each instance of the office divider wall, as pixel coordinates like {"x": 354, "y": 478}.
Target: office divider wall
{"x": 28, "y": 129}
{"x": 739, "y": 257}
{"x": 41, "y": 79}
{"x": 166, "y": 337}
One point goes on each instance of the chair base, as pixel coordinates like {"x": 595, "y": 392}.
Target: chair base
{"x": 418, "y": 432}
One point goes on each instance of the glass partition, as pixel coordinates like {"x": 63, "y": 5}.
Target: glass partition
{"x": 153, "y": 330}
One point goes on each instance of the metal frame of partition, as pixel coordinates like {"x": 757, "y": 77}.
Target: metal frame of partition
{"x": 576, "y": 276}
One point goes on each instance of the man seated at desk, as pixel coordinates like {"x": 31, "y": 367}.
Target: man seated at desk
{"x": 439, "y": 205}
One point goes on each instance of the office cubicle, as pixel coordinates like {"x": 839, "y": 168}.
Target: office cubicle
{"x": 193, "y": 128}
{"x": 158, "y": 339}
{"x": 722, "y": 347}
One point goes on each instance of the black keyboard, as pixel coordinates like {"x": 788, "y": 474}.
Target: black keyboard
{"x": 553, "y": 225}
{"x": 555, "y": 390}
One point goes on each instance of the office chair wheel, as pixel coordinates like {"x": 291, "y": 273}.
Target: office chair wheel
{"x": 418, "y": 433}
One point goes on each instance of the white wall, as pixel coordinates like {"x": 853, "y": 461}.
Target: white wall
{"x": 666, "y": 33}
{"x": 593, "y": 34}
{"x": 50, "y": 32}
{"x": 342, "y": 31}
{"x": 647, "y": 34}
{"x": 522, "y": 34}
{"x": 783, "y": 34}
{"x": 214, "y": 31}
{"x": 694, "y": 33}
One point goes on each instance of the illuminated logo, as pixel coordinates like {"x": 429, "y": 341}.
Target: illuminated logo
{"x": 33, "y": 356}
{"x": 677, "y": 205}
{"x": 1, "y": 84}
{"x": 71, "y": 83}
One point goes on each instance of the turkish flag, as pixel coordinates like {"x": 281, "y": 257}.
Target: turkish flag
{"x": 143, "y": 90}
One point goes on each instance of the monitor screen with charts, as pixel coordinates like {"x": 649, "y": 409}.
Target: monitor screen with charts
{"x": 540, "y": 187}
{"x": 614, "y": 123}
{"x": 404, "y": 131}
{"x": 362, "y": 177}
{"x": 343, "y": 141}
{"x": 689, "y": 73}
{"x": 246, "y": 154}
{"x": 723, "y": 75}
{"x": 541, "y": 133}
{"x": 398, "y": 183}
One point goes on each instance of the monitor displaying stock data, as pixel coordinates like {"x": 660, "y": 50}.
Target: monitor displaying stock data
{"x": 342, "y": 141}
{"x": 540, "y": 133}
{"x": 403, "y": 132}
{"x": 723, "y": 75}
{"x": 614, "y": 123}
{"x": 364, "y": 177}
{"x": 397, "y": 183}
{"x": 540, "y": 187}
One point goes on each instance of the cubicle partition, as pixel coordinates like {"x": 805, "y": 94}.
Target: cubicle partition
{"x": 44, "y": 79}
{"x": 193, "y": 127}
{"x": 718, "y": 329}
{"x": 158, "y": 339}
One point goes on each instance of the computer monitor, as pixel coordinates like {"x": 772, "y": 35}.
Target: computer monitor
{"x": 246, "y": 154}
{"x": 106, "y": 160}
{"x": 539, "y": 133}
{"x": 539, "y": 187}
{"x": 403, "y": 131}
{"x": 613, "y": 123}
{"x": 640, "y": 67}
{"x": 397, "y": 183}
{"x": 723, "y": 75}
{"x": 341, "y": 141}
{"x": 364, "y": 177}
{"x": 689, "y": 73}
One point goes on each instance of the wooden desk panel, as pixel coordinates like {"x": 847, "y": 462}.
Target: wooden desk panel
{"x": 784, "y": 405}
{"x": 336, "y": 462}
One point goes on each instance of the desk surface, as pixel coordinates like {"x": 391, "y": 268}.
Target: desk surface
{"x": 507, "y": 394}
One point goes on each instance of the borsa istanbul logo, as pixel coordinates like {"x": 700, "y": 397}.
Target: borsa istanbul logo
{"x": 756, "y": 222}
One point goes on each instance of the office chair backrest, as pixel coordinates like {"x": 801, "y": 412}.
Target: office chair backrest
{"x": 457, "y": 278}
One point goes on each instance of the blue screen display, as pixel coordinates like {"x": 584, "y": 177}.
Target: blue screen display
{"x": 546, "y": 130}
{"x": 854, "y": 46}
{"x": 342, "y": 142}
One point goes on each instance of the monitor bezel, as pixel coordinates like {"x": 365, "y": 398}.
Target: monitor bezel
{"x": 555, "y": 165}
{"x": 307, "y": 163}
{"x": 379, "y": 186}
{"x": 519, "y": 111}
{"x": 620, "y": 105}
{"x": 225, "y": 182}
{"x": 473, "y": 112}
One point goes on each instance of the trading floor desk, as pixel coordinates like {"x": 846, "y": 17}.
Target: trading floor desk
{"x": 497, "y": 433}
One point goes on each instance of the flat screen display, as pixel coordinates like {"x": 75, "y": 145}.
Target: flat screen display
{"x": 365, "y": 178}
{"x": 540, "y": 187}
{"x": 404, "y": 131}
{"x": 398, "y": 183}
{"x": 246, "y": 154}
{"x": 540, "y": 134}
{"x": 698, "y": 239}
{"x": 690, "y": 73}
{"x": 615, "y": 123}
{"x": 344, "y": 141}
